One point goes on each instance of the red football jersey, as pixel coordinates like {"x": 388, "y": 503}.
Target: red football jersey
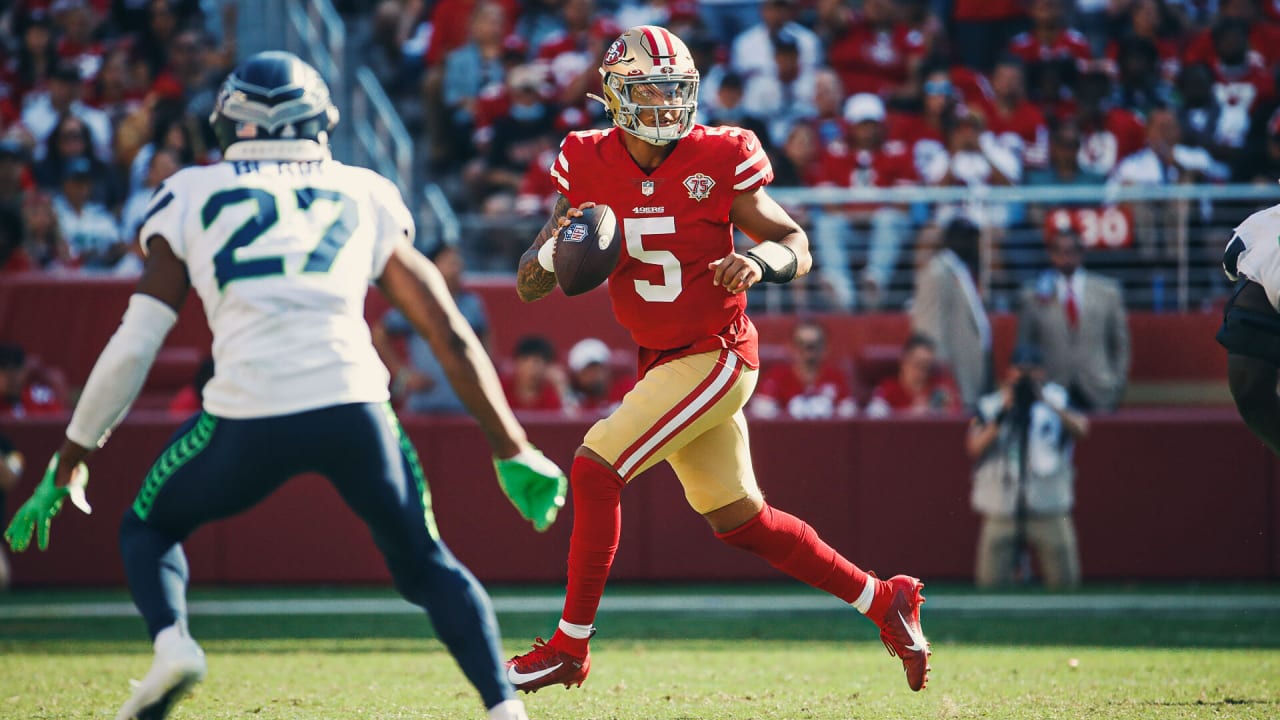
{"x": 1027, "y": 123}
{"x": 1264, "y": 39}
{"x": 781, "y": 391}
{"x": 871, "y": 60}
{"x": 890, "y": 165}
{"x": 977, "y": 10}
{"x": 1066, "y": 45}
{"x": 548, "y": 397}
{"x": 675, "y": 222}
{"x": 1102, "y": 147}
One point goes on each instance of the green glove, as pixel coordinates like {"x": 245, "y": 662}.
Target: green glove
{"x": 535, "y": 485}
{"x": 38, "y": 511}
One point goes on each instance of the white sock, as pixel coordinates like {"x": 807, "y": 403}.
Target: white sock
{"x": 863, "y": 603}
{"x": 508, "y": 710}
{"x": 577, "y": 632}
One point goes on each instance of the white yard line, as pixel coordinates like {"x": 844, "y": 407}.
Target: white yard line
{"x": 1081, "y": 604}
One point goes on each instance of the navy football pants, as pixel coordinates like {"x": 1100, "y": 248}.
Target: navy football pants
{"x": 214, "y": 468}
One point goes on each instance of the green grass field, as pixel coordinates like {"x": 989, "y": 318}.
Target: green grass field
{"x": 774, "y": 652}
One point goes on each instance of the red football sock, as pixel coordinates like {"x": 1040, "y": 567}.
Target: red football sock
{"x": 793, "y": 546}
{"x": 597, "y": 524}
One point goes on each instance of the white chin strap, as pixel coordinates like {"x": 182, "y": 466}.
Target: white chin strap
{"x": 301, "y": 150}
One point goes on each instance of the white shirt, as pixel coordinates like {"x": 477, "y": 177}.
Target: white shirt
{"x": 281, "y": 254}
{"x": 40, "y": 118}
{"x": 89, "y": 230}
{"x": 753, "y": 50}
{"x": 1145, "y": 167}
{"x": 1077, "y": 287}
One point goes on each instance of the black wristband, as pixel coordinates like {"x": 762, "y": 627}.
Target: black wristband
{"x": 777, "y": 262}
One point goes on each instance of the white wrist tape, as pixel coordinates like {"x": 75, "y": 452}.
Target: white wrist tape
{"x": 547, "y": 255}
{"x": 120, "y": 370}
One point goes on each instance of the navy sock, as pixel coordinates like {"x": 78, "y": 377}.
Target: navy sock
{"x": 157, "y": 571}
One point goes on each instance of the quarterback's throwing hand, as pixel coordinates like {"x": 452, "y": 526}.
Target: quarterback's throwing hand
{"x": 535, "y": 485}
{"x": 735, "y": 272}
{"x": 37, "y": 513}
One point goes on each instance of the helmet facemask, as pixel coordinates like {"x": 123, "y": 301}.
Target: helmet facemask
{"x": 655, "y": 108}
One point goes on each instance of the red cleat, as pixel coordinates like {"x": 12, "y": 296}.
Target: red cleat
{"x": 901, "y": 631}
{"x": 547, "y": 665}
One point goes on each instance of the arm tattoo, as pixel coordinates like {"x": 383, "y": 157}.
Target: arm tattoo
{"x": 532, "y": 281}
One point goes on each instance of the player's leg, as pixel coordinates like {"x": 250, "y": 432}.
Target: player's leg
{"x": 719, "y": 482}
{"x": 670, "y": 405}
{"x": 211, "y": 468}
{"x": 1251, "y": 334}
{"x": 995, "y": 552}
{"x": 376, "y": 470}
{"x": 1054, "y": 538}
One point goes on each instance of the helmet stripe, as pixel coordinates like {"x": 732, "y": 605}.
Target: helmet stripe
{"x": 660, "y": 46}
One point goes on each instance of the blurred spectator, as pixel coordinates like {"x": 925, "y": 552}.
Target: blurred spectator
{"x": 925, "y": 133}
{"x": 795, "y": 164}
{"x": 418, "y": 380}
{"x": 114, "y": 90}
{"x": 1165, "y": 160}
{"x": 539, "y": 21}
{"x": 864, "y": 158}
{"x": 1242, "y": 80}
{"x": 1262, "y": 36}
{"x": 163, "y": 165}
{"x": 33, "y": 64}
{"x": 451, "y": 22}
{"x": 809, "y": 386}
{"x": 171, "y": 132}
{"x": 44, "y": 244}
{"x": 470, "y": 69}
{"x": 678, "y": 16}
{"x": 1050, "y": 38}
{"x": 1140, "y": 87}
{"x": 15, "y": 180}
{"x": 1077, "y": 318}
{"x": 163, "y": 22}
{"x": 873, "y": 51}
{"x": 1201, "y": 117}
{"x": 752, "y": 50}
{"x": 981, "y": 29}
{"x": 42, "y": 115}
{"x": 948, "y": 309}
{"x": 974, "y": 159}
{"x": 190, "y": 399}
{"x": 13, "y": 256}
{"x": 1064, "y": 160}
{"x": 1261, "y": 164}
{"x": 535, "y": 381}
{"x": 1016, "y": 122}
{"x": 1151, "y": 20}
{"x": 78, "y": 23}
{"x": 26, "y": 389}
{"x": 391, "y": 26}
{"x": 573, "y": 56}
{"x": 513, "y": 140}
{"x": 784, "y": 96}
{"x": 11, "y": 466}
{"x": 1022, "y": 443}
{"x": 1052, "y": 87}
{"x": 828, "y": 106}
{"x": 595, "y": 390}
{"x": 92, "y": 232}
{"x": 70, "y": 145}
{"x": 921, "y": 387}
{"x": 1109, "y": 134}
{"x": 729, "y": 108}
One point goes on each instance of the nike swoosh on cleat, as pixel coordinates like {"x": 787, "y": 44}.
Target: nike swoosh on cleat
{"x": 518, "y": 678}
{"x": 920, "y": 644}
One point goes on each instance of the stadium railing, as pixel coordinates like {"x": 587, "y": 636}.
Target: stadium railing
{"x": 316, "y": 32}
{"x": 1163, "y": 243}
{"x": 382, "y": 142}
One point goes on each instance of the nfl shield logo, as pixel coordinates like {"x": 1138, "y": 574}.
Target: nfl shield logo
{"x": 699, "y": 186}
{"x": 646, "y": 188}
{"x": 576, "y": 233}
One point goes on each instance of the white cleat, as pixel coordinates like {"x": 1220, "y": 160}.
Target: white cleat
{"x": 178, "y": 665}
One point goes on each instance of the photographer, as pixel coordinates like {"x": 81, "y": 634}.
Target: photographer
{"x": 1022, "y": 441}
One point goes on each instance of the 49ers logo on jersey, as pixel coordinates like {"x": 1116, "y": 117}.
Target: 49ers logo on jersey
{"x": 615, "y": 51}
{"x": 699, "y": 186}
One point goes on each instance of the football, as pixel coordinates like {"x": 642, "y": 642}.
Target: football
{"x": 587, "y": 250}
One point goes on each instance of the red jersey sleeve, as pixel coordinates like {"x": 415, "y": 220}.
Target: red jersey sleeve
{"x": 752, "y": 169}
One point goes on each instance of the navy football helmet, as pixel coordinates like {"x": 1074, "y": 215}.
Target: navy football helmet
{"x": 273, "y": 95}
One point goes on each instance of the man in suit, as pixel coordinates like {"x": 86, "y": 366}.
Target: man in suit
{"x": 949, "y": 311}
{"x": 1078, "y": 319}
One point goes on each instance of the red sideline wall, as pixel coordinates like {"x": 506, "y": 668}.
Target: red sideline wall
{"x": 67, "y": 322}
{"x": 1162, "y": 494}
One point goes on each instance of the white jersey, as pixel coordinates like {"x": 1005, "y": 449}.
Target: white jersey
{"x": 282, "y": 254}
{"x": 1260, "y": 259}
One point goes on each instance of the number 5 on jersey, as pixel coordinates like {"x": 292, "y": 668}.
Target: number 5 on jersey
{"x": 228, "y": 268}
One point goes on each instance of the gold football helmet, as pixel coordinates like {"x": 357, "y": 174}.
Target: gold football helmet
{"x": 650, "y": 84}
